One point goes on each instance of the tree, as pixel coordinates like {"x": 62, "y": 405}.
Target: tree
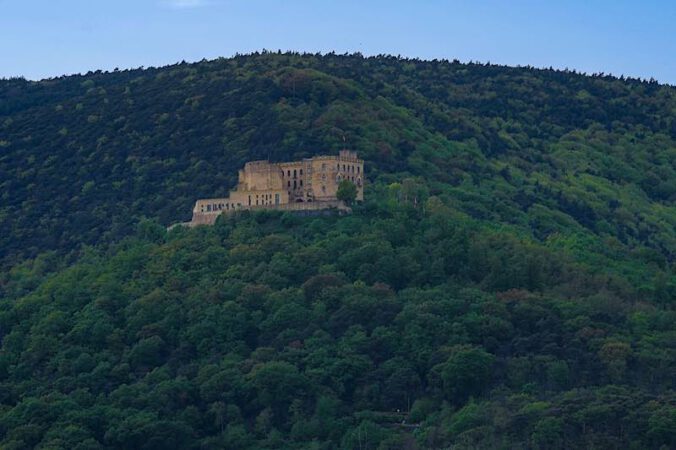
{"x": 466, "y": 372}
{"x": 347, "y": 192}
{"x": 614, "y": 355}
{"x": 548, "y": 433}
{"x": 278, "y": 383}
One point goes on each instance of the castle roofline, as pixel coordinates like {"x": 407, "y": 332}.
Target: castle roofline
{"x": 344, "y": 155}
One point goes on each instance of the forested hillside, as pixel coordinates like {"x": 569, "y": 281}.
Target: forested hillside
{"x": 509, "y": 281}
{"x": 83, "y": 157}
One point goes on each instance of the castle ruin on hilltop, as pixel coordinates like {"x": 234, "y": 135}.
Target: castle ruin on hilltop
{"x": 310, "y": 184}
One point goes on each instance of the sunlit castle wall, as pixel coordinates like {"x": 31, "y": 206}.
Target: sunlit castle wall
{"x": 262, "y": 184}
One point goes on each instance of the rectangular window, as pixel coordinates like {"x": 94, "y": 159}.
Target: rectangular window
{"x": 276, "y": 199}
{"x": 208, "y": 208}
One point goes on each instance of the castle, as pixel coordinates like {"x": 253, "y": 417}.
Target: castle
{"x": 310, "y": 184}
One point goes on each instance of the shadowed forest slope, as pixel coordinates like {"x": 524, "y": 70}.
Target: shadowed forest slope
{"x": 508, "y": 282}
{"x": 84, "y": 157}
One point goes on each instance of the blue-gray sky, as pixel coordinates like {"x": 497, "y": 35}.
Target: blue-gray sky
{"x": 44, "y": 38}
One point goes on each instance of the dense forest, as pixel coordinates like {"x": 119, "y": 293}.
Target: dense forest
{"x": 509, "y": 281}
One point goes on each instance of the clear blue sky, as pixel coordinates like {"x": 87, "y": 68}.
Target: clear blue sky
{"x": 43, "y": 38}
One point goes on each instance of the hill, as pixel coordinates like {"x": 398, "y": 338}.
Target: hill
{"x": 508, "y": 283}
{"x": 84, "y": 157}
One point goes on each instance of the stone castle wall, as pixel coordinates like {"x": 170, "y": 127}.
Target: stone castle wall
{"x": 307, "y": 185}
{"x": 306, "y": 207}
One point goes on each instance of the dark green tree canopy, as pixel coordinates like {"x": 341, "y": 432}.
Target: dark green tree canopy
{"x": 347, "y": 192}
{"x": 508, "y": 281}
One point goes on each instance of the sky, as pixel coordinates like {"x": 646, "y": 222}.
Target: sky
{"x": 48, "y": 38}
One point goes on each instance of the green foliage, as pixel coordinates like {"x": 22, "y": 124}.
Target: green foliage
{"x": 265, "y": 333}
{"x": 347, "y": 192}
{"x": 466, "y": 372}
{"x": 507, "y": 283}
{"x": 585, "y": 163}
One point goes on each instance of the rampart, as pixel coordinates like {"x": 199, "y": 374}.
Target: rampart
{"x": 301, "y": 186}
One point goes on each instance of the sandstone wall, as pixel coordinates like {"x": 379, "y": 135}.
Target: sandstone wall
{"x": 310, "y": 184}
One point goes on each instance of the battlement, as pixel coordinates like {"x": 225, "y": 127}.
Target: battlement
{"x": 310, "y": 184}
{"x": 348, "y": 155}
{"x": 257, "y": 165}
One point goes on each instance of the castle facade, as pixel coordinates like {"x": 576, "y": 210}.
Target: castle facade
{"x": 310, "y": 184}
